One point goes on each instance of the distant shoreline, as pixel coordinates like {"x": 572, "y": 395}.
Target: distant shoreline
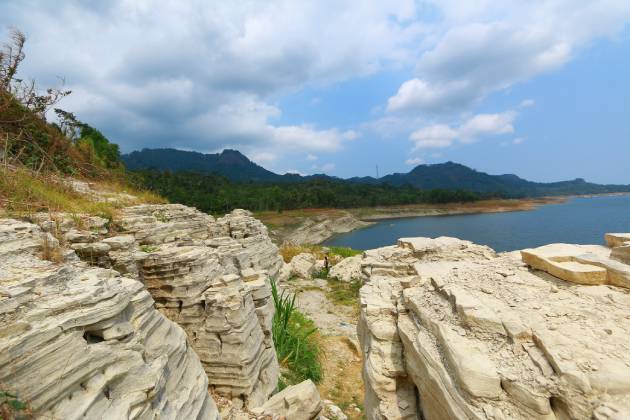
{"x": 317, "y": 225}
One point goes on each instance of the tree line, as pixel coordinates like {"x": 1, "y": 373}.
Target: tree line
{"x": 216, "y": 194}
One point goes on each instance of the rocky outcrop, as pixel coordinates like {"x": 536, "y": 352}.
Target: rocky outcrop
{"x": 297, "y": 402}
{"x": 303, "y": 265}
{"x": 211, "y": 276}
{"x": 348, "y": 269}
{"x": 450, "y": 329}
{"x": 83, "y": 342}
{"x": 318, "y": 229}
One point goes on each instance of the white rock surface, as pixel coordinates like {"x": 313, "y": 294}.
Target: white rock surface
{"x": 297, "y": 402}
{"x": 303, "y": 265}
{"x": 84, "y": 342}
{"x": 209, "y": 275}
{"x": 475, "y": 335}
{"x": 348, "y": 269}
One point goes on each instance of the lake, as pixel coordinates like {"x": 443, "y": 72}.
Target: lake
{"x": 582, "y": 220}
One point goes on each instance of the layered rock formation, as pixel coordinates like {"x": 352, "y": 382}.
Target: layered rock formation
{"x": 211, "y": 276}
{"x": 83, "y": 342}
{"x": 450, "y": 329}
{"x": 318, "y": 229}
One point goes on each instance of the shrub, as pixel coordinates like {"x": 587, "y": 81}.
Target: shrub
{"x": 294, "y": 337}
{"x": 344, "y": 293}
{"x": 344, "y": 252}
{"x": 11, "y": 407}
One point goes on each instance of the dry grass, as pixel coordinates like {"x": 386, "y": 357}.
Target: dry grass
{"x": 51, "y": 251}
{"x": 24, "y": 192}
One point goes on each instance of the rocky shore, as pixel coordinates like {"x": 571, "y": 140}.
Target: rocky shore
{"x": 165, "y": 312}
{"x": 315, "y": 226}
{"x": 450, "y": 329}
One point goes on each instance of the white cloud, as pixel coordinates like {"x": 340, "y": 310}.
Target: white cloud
{"x": 518, "y": 140}
{"x": 486, "y": 124}
{"x": 435, "y": 136}
{"x": 311, "y": 157}
{"x": 487, "y": 46}
{"x": 202, "y": 75}
{"x": 414, "y": 161}
{"x": 526, "y": 103}
{"x": 441, "y": 135}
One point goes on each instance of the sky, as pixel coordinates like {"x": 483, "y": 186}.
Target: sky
{"x": 538, "y": 88}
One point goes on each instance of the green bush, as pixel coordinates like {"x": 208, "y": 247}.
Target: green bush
{"x": 294, "y": 336}
{"x": 344, "y": 252}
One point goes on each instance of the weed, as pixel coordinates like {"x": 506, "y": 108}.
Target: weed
{"x": 344, "y": 252}
{"x": 149, "y": 248}
{"x": 11, "y": 407}
{"x": 294, "y": 337}
{"x": 344, "y": 293}
{"x": 50, "y": 250}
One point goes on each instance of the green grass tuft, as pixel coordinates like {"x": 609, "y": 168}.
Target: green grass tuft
{"x": 294, "y": 336}
{"x": 344, "y": 252}
{"x": 344, "y": 293}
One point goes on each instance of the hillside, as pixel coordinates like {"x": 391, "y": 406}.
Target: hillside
{"x": 236, "y": 167}
{"x": 229, "y": 163}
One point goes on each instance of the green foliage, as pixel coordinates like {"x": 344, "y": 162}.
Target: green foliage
{"x": 106, "y": 154}
{"x": 216, "y": 194}
{"x": 344, "y": 293}
{"x": 148, "y": 248}
{"x": 294, "y": 338}
{"x": 344, "y": 252}
{"x": 11, "y": 406}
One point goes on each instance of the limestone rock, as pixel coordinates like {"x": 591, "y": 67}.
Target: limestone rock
{"x": 348, "y": 269}
{"x": 317, "y": 230}
{"x": 475, "y": 335}
{"x": 303, "y": 265}
{"x": 581, "y": 264}
{"x": 332, "y": 412}
{"x": 83, "y": 342}
{"x": 211, "y": 276}
{"x": 297, "y": 402}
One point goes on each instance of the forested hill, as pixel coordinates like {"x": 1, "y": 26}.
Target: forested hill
{"x": 451, "y": 176}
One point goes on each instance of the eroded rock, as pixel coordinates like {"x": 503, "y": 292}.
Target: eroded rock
{"x": 457, "y": 331}
{"x": 84, "y": 342}
{"x": 297, "y": 402}
{"x": 211, "y": 276}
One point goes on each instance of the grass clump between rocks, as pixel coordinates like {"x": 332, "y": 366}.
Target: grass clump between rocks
{"x": 295, "y": 340}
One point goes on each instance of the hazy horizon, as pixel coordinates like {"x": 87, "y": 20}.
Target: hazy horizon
{"x": 536, "y": 89}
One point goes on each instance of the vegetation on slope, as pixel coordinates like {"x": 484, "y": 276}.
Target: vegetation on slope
{"x": 294, "y": 337}
{"x": 216, "y": 194}
{"x": 38, "y": 157}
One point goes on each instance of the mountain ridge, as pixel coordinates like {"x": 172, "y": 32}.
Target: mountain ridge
{"x": 237, "y": 167}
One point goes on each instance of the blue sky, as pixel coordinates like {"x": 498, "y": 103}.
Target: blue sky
{"x": 537, "y": 88}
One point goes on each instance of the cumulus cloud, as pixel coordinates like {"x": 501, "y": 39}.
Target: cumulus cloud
{"x": 441, "y": 135}
{"x": 491, "y": 46}
{"x": 200, "y": 75}
{"x": 414, "y": 161}
{"x": 435, "y": 136}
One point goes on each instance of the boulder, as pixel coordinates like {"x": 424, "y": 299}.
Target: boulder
{"x": 297, "y": 402}
{"x": 348, "y": 269}
{"x": 458, "y": 331}
{"x": 303, "y": 265}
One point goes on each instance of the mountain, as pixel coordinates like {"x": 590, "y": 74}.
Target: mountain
{"x": 230, "y": 163}
{"x": 449, "y": 176}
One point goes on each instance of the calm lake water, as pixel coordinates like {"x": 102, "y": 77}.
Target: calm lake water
{"x": 579, "y": 220}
